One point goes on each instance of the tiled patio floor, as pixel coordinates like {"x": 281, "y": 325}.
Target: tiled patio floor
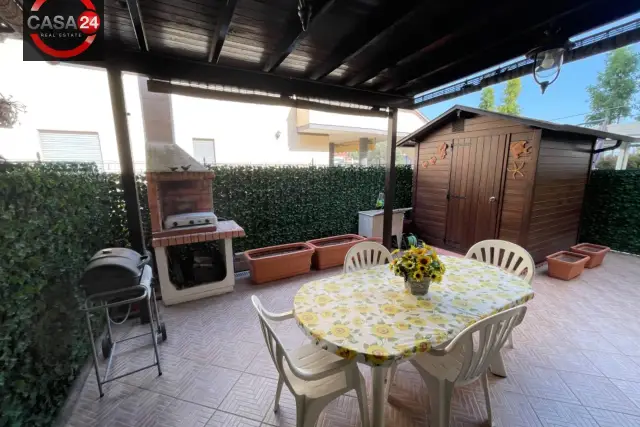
{"x": 576, "y": 362}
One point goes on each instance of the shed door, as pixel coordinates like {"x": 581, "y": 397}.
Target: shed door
{"x": 475, "y": 190}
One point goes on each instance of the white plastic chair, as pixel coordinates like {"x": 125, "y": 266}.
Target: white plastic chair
{"x": 506, "y": 255}
{"x": 366, "y": 255}
{"x": 314, "y": 376}
{"x": 465, "y": 360}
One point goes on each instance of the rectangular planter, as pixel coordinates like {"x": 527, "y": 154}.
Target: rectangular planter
{"x": 330, "y": 251}
{"x": 279, "y": 262}
{"x": 566, "y": 265}
{"x": 596, "y": 253}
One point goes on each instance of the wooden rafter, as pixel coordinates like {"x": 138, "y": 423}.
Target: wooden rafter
{"x": 222, "y": 29}
{"x": 377, "y": 27}
{"x": 396, "y": 51}
{"x": 293, "y": 35}
{"x": 138, "y": 25}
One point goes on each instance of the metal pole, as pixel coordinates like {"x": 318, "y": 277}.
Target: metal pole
{"x": 332, "y": 153}
{"x": 127, "y": 173}
{"x": 390, "y": 178}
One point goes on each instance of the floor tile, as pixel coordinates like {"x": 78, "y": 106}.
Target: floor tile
{"x": 616, "y": 366}
{"x": 250, "y": 397}
{"x": 128, "y": 406}
{"x": 630, "y": 389}
{"x": 599, "y": 392}
{"x": 544, "y": 383}
{"x": 614, "y": 419}
{"x": 223, "y": 419}
{"x": 553, "y": 413}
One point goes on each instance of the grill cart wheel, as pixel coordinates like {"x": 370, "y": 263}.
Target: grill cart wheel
{"x": 163, "y": 331}
{"x": 106, "y": 347}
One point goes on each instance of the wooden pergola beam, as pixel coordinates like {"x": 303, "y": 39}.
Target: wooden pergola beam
{"x": 293, "y": 35}
{"x": 222, "y": 29}
{"x": 138, "y": 25}
{"x": 169, "y": 68}
{"x": 377, "y": 28}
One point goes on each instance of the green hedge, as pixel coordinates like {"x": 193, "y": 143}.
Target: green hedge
{"x": 278, "y": 205}
{"x": 611, "y": 214}
{"x": 52, "y": 218}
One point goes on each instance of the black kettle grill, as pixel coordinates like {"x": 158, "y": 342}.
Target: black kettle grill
{"x": 120, "y": 277}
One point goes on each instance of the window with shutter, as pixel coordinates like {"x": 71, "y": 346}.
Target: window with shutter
{"x": 67, "y": 146}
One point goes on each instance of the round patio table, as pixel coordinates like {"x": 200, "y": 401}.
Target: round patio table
{"x": 367, "y": 315}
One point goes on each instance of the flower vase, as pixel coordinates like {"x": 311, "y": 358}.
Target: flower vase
{"x": 417, "y": 288}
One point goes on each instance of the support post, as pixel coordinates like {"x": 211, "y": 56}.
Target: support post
{"x": 390, "y": 178}
{"x": 127, "y": 172}
{"x": 363, "y": 149}
{"x": 332, "y": 152}
{"x": 623, "y": 157}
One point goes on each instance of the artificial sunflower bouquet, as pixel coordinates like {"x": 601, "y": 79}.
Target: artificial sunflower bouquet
{"x": 419, "y": 267}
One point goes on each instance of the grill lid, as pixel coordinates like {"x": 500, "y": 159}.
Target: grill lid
{"x": 112, "y": 268}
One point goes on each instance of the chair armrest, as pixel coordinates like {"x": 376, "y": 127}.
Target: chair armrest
{"x": 278, "y": 316}
{"x": 328, "y": 370}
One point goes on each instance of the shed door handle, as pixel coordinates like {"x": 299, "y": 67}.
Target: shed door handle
{"x": 492, "y": 199}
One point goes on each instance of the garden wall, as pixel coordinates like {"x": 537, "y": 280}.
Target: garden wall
{"x": 54, "y": 217}
{"x": 611, "y": 214}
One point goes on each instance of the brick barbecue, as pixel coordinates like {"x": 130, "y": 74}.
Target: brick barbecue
{"x": 172, "y": 191}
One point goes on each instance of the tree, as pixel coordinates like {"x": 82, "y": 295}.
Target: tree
{"x": 611, "y": 98}
{"x": 510, "y": 98}
{"x": 606, "y": 162}
{"x": 634, "y": 161}
{"x": 488, "y": 99}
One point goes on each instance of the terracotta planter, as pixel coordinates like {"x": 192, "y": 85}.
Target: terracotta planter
{"x": 566, "y": 265}
{"x": 595, "y": 252}
{"x": 330, "y": 251}
{"x": 279, "y": 262}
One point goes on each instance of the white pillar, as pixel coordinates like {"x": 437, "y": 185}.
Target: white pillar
{"x": 623, "y": 157}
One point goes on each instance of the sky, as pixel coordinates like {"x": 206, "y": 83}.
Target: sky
{"x": 567, "y": 96}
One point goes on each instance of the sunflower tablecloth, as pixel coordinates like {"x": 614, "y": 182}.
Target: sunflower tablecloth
{"x": 369, "y": 316}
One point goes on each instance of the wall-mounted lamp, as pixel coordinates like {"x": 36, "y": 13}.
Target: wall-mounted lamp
{"x": 546, "y": 68}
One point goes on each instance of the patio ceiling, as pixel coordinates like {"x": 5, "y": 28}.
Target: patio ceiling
{"x": 374, "y": 52}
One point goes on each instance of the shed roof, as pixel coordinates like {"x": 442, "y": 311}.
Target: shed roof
{"x": 455, "y": 111}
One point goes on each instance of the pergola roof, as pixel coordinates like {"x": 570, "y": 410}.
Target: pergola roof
{"x": 374, "y": 52}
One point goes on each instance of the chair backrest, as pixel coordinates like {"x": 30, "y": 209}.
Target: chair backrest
{"x": 478, "y": 344}
{"x": 277, "y": 351}
{"x": 506, "y": 255}
{"x": 366, "y": 255}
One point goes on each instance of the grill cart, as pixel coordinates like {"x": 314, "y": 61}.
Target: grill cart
{"x": 116, "y": 277}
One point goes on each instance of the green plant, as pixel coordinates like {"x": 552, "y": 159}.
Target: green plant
{"x": 611, "y": 214}
{"x": 277, "y": 205}
{"x": 52, "y": 218}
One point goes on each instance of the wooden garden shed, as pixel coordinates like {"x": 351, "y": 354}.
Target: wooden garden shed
{"x": 485, "y": 175}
